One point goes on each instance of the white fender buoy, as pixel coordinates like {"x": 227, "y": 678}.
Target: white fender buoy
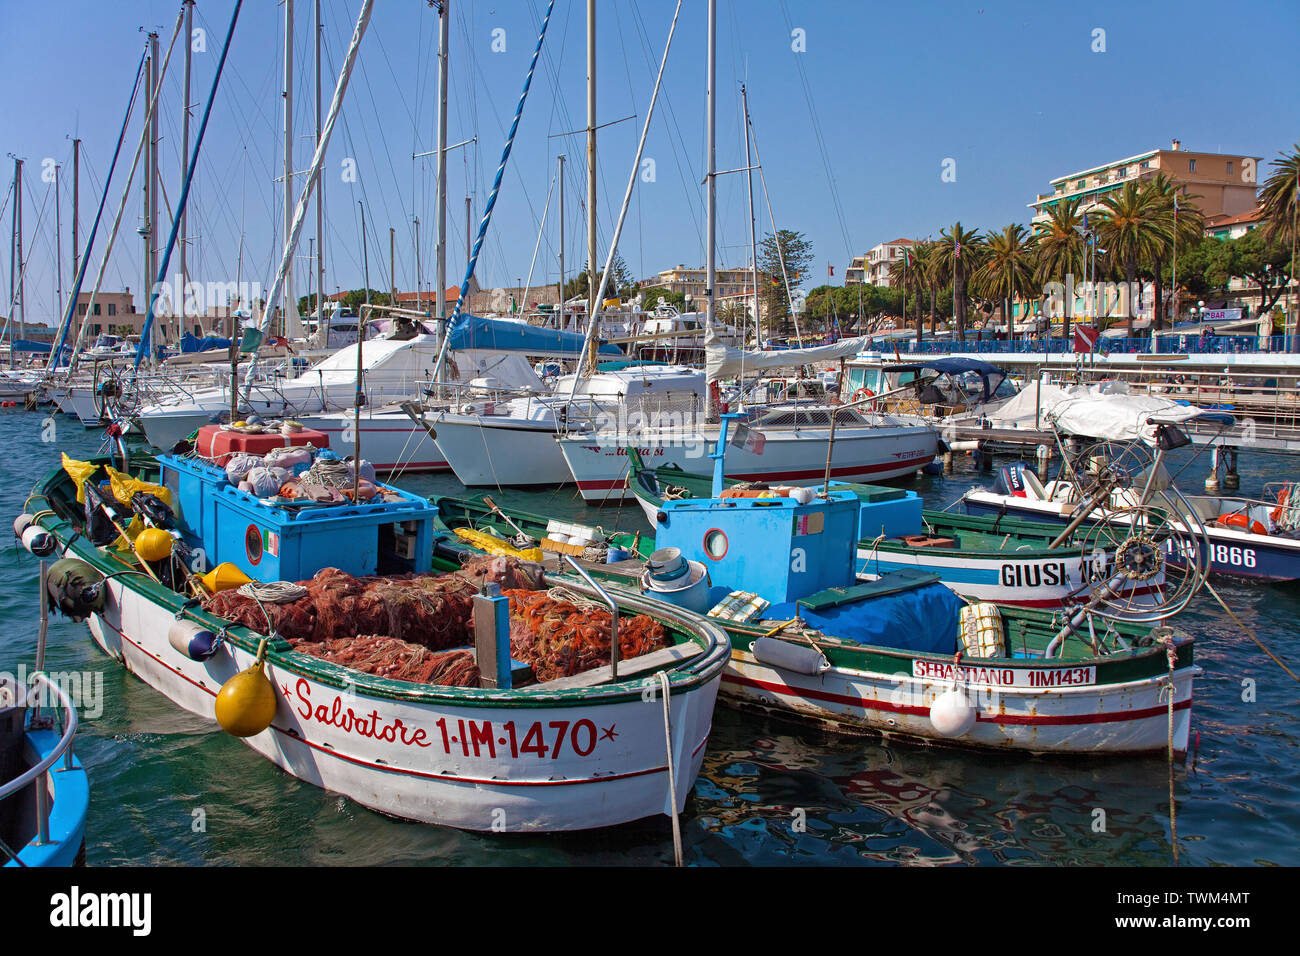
{"x": 952, "y": 714}
{"x": 193, "y": 640}
{"x": 786, "y": 656}
{"x": 38, "y": 541}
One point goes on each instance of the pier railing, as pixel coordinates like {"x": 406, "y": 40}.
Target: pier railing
{"x": 1164, "y": 344}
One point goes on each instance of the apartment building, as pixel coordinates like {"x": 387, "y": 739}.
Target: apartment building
{"x": 1224, "y": 184}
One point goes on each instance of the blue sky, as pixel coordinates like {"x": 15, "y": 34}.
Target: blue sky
{"x": 1012, "y": 91}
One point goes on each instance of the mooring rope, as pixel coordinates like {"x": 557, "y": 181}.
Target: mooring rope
{"x": 1251, "y": 634}
{"x": 1171, "y": 654}
{"x": 665, "y": 685}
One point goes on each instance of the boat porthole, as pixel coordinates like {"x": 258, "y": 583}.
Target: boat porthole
{"x": 715, "y": 544}
{"x": 253, "y": 543}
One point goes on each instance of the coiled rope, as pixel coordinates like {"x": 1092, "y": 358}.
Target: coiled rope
{"x": 330, "y": 472}
{"x": 273, "y": 592}
{"x": 577, "y": 600}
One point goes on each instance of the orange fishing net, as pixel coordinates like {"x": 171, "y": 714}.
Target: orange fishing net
{"x": 397, "y": 660}
{"x": 415, "y": 627}
{"x": 559, "y": 639}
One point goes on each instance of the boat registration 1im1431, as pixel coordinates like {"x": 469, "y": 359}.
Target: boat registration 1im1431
{"x": 1006, "y": 676}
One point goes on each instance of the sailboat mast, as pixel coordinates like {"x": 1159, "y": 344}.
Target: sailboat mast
{"x": 419, "y": 271}
{"x": 17, "y": 304}
{"x": 146, "y": 183}
{"x": 560, "y": 174}
{"x": 440, "y": 254}
{"x": 710, "y": 241}
{"x": 58, "y": 245}
{"x": 185, "y": 156}
{"x": 753, "y": 238}
{"x": 155, "y": 182}
{"x": 290, "y": 303}
{"x": 591, "y": 159}
{"x": 76, "y": 205}
{"x": 320, "y": 192}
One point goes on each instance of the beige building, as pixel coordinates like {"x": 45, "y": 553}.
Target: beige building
{"x": 878, "y": 264}
{"x": 691, "y": 282}
{"x": 1223, "y": 183}
{"x": 111, "y": 311}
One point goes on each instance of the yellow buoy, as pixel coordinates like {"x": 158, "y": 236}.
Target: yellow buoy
{"x": 246, "y": 703}
{"x": 153, "y": 544}
{"x": 223, "y": 577}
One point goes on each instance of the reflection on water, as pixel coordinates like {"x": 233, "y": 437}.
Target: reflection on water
{"x": 168, "y": 787}
{"x": 787, "y": 796}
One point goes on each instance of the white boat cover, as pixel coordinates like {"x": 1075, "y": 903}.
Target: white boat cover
{"x": 1119, "y": 417}
{"x": 1102, "y": 411}
{"x": 721, "y": 360}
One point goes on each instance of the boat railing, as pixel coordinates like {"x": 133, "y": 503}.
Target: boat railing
{"x": 613, "y": 612}
{"x": 61, "y": 751}
{"x": 679, "y": 409}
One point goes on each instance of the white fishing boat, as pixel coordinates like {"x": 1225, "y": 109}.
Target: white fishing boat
{"x": 784, "y": 445}
{"x": 901, "y": 655}
{"x": 395, "y": 369}
{"x": 513, "y": 442}
{"x": 514, "y": 753}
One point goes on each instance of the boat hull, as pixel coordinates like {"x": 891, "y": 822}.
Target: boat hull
{"x": 389, "y": 440}
{"x": 1124, "y": 718}
{"x": 1233, "y": 553}
{"x": 1094, "y": 705}
{"x": 601, "y": 466}
{"x": 69, "y": 803}
{"x": 437, "y": 763}
{"x": 1041, "y": 581}
{"x": 487, "y": 452}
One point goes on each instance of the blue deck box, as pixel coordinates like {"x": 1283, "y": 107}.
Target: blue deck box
{"x": 891, "y": 512}
{"x": 774, "y": 547}
{"x": 274, "y": 542}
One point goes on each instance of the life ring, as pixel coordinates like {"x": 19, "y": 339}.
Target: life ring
{"x": 1240, "y": 522}
{"x": 864, "y": 393}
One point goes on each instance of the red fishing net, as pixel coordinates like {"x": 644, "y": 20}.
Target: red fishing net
{"x": 397, "y": 660}
{"x": 559, "y": 639}
{"x": 415, "y": 627}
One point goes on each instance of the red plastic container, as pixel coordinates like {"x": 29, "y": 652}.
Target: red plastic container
{"x": 219, "y": 445}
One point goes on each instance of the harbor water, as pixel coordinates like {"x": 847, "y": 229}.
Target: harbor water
{"x": 171, "y": 788}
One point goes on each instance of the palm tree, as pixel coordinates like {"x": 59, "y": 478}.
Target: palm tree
{"x": 908, "y": 274}
{"x": 1059, "y": 246}
{"x": 960, "y": 252}
{"x": 1281, "y": 204}
{"x": 1008, "y": 269}
{"x": 1134, "y": 230}
{"x": 1183, "y": 224}
{"x": 1279, "y": 198}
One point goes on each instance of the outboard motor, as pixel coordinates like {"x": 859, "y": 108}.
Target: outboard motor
{"x": 1011, "y": 481}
